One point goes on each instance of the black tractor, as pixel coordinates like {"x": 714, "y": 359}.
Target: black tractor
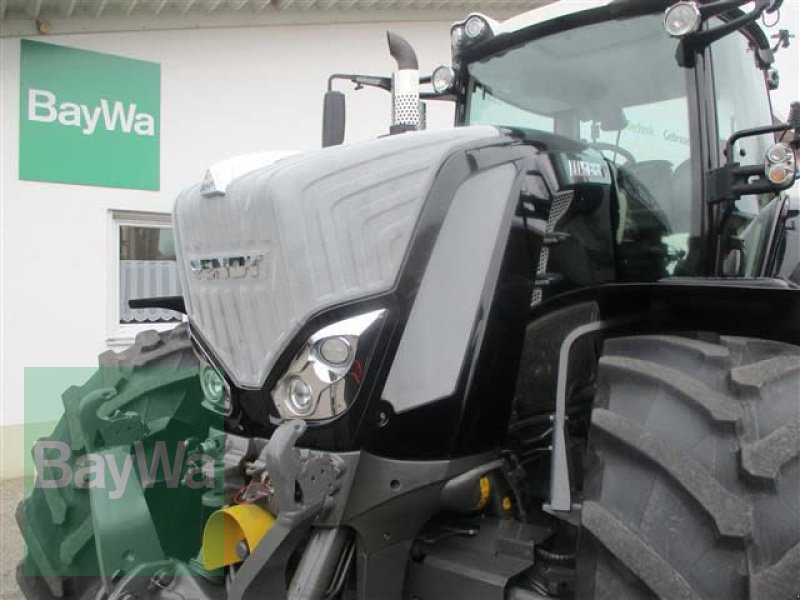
{"x": 551, "y": 353}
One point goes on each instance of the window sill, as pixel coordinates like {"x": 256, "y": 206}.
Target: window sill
{"x": 125, "y": 335}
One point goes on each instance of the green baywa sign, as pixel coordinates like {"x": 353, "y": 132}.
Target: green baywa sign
{"x": 88, "y": 118}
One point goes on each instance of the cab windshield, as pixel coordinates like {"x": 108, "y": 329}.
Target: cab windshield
{"x": 614, "y": 85}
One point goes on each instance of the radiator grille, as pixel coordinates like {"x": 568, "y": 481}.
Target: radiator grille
{"x": 561, "y": 203}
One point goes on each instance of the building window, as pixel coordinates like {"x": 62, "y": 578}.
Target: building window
{"x": 143, "y": 266}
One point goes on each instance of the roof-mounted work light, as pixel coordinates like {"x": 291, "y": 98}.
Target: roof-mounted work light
{"x": 682, "y": 18}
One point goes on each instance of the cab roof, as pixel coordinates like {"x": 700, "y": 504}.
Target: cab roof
{"x": 549, "y": 12}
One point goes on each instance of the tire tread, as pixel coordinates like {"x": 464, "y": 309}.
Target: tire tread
{"x": 750, "y": 386}
{"x": 54, "y": 546}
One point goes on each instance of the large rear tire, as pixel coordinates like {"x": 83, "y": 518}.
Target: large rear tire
{"x": 692, "y": 487}
{"x": 56, "y": 523}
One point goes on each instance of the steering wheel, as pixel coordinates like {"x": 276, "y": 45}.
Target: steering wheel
{"x": 608, "y": 147}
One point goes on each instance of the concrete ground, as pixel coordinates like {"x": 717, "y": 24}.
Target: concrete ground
{"x": 11, "y": 491}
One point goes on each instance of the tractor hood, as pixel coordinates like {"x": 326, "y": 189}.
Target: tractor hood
{"x": 310, "y": 231}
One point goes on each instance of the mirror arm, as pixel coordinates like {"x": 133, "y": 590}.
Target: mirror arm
{"x": 376, "y": 81}
{"x": 755, "y": 188}
{"x": 696, "y": 42}
{"x": 726, "y": 184}
{"x": 715, "y": 8}
{"x": 434, "y": 96}
{"x": 731, "y": 182}
{"x": 384, "y": 83}
{"x": 744, "y": 133}
{"x": 705, "y": 38}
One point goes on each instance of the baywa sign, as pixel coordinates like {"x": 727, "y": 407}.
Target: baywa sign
{"x": 88, "y": 118}
{"x": 43, "y": 106}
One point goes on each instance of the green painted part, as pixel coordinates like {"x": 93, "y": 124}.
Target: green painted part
{"x": 45, "y": 385}
{"x": 90, "y": 421}
{"x": 123, "y": 528}
{"x": 88, "y": 118}
{"x": 118, "y": 451}
{"x": 126, "y": 404}
{"x": 75, "y": 541}
{"x": 56, "y": 504}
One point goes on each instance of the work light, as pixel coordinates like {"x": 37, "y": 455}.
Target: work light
{"x": 682, "y": 18}
{"x": 475, "y": 26}
{"x": 456, "y": 36}
{"x": 442, "y": 79}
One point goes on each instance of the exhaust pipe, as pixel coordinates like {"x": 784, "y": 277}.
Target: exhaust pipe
{"x": 406, "y": 113}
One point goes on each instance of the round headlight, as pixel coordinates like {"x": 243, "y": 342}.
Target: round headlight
{"x": 299, "y": 396}
{"x": 335, "y": 351}
{"x": 213, "y": 385}
{"x": 323, "y": 378}
{"x": 442, "y": 79}
{"x": 475, "y": 26}
{"x": 682, "y": 19}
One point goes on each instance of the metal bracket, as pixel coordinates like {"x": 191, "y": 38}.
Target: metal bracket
{"x": 304, "y": 481}
{"x": 560, "y": 494}
{"x": 114, "y": 521}
{"x": 165, "y": 580}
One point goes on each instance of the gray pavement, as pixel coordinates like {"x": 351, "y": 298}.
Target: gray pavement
{"x": 11, "y": 548}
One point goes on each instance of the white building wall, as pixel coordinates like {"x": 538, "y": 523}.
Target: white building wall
{"x": 223, "y": 92}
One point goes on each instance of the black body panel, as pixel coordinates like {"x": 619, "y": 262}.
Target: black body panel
{"x": 429, "y": 431}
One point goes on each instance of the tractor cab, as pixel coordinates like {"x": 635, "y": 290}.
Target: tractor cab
{"x": 553, "y": 353}
{"x": 665, "y": 104}
{"x": 675, "y": 97}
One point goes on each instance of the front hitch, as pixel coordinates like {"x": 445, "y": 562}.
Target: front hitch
{"x": 304, "y": 482}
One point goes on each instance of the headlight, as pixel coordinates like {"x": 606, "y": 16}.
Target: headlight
{"x": 324, "y": 375}
{"x": 780, "y": 165}
{"x": 682, "y": 18}
{"x": 216, "y": 391}
{"x": 299, "y": 396}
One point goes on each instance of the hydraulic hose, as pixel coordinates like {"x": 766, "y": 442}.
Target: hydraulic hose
{"x": 314, "y": 573}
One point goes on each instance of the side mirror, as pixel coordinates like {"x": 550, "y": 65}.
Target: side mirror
{"x": 333, "y": 119}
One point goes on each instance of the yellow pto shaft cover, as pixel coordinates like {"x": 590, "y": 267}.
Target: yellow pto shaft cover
{"x": 227, "y": 530}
